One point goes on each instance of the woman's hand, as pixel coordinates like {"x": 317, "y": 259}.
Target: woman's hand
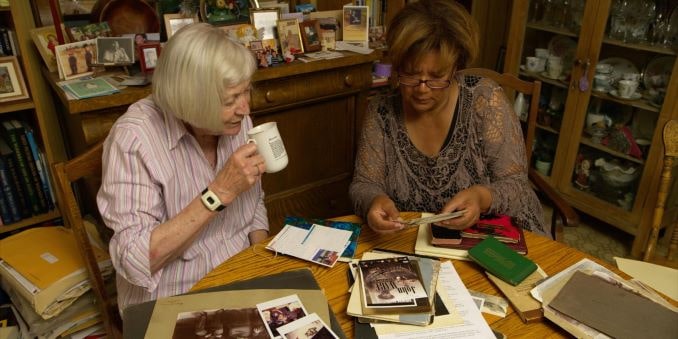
{"x": 383, "y": 216}
{"x": 239, "y": 173}
{"x": 475, "y": 200}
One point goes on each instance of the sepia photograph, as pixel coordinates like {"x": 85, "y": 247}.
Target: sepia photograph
{"x": 220, "y": 323}
{"x": 308, "y": 327}
{"x": 76, "y": 59}
{"x": 12, "y": 85}
{"x": 310, "y": 34}
{"x": 174, "y": 22}
{"x": 115, "y": 51}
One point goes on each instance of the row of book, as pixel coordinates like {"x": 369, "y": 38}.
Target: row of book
{"x": 43, "y": 274}
{"x": 25, "y": 185}
{"x": 8, "y": 43}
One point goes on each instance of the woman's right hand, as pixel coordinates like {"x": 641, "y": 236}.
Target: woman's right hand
{"x": 239, "y": 174}
{"x": 383, "y": 216}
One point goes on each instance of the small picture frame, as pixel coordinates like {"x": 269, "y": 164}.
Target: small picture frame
{"x": 310, "y": 35}
{"x": 115, "y": 51}
{"x": 76, "y": 59}
{"x": 265, "y": 21}
{"x": 243, "y": 33}
{"x": 12, "y": 84}
{"x": 290, "y": 37}
{"x": 148, "y": 53}
{"x": 355, "y": 25}
{"x": 173, "y": 22}
{"x": 45, "y": 39}
{"x": 89, "y": 31}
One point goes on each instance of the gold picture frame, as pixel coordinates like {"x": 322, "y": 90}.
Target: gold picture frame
{"x": 45, "y": 39}
{"x": 175, "y": 21}
{"x": 12, "y": 84}
{"x": 290, "y": 36}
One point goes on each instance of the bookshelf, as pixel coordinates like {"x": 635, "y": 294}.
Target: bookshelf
{"x": 39, "y": 109}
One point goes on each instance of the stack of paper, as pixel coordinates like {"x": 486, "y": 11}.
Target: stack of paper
{"x": 43, "y": 265}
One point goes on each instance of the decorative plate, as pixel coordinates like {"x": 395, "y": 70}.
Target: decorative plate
{"x": 635, "y": 95}
{"x": 657, "y": 73}
{"x": 565, "y": 48}
{"x": 619, "y": 67}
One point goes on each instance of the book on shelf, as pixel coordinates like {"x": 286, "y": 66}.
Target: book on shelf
{"x": 15, "y": 133}
{"x": 500, "y": 227}
{"x": 44, "y": 266}
{"x": 354, "y": 228}
{"x": 11, "y": 184}
{"x": 40, "y": 166}
{"x": 392, "y": 286}
{"x": 501, "y": 261}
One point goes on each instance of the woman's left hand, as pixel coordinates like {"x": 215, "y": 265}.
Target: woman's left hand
{"x": 475, "y": 200}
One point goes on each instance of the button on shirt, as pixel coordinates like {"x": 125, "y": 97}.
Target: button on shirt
{"x": 152, "y": 169}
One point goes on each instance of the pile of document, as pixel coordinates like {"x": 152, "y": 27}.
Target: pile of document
{"x": 43, "y": 273}
{"x": 451, "y": 312}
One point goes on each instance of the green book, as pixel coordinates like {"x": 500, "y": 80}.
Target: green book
{"x": 500, "y": 260}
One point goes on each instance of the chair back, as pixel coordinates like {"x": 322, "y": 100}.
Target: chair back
{"x": 563, "y": 214}
{"x": 670, "y": 259}
{"x": 86, "y": 166}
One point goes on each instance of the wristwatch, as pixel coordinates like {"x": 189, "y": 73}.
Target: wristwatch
{"x": 211, "y": 200}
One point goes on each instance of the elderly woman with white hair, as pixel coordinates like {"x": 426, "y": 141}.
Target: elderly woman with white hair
{"x": 181, "y": 187}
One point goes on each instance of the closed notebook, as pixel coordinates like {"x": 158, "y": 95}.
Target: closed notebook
{"x": 500, "y": 260}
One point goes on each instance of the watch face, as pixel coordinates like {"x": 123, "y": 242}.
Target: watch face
{"x": 211, "y": 201}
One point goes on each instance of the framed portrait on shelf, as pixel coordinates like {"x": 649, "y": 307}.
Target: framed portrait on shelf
{"x": 173, "y": 22}
{"x": 12, "y": 84}
{"x": 115, "y": 51}
{"x": 89, "y": 31}
{"x": 45, "y": 39}
{"x": 148, "y": 56}
{"x": 225, "y": 12}
{"x": 310, "y": 35}
{"x": 355, "y": 25}
{"x": 290, "y": 37}
{"x": 76, "y": 59}
{"x": 265, "y": 21}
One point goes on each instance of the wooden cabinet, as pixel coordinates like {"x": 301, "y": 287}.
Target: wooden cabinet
{"x": 579, "y": 126}
{"x": 38, "y": 110}
{"x": 318, "y": 107}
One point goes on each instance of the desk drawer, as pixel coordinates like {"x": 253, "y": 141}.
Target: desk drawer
{"x": 300, "y": 88}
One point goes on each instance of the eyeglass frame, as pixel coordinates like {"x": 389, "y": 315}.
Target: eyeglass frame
{"x": 425, "y": 82}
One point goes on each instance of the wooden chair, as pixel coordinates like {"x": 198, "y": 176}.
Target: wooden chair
{"x": 563, "y": 213}
{"x": 670, "y": 154}
{"x": 86, "y": 166}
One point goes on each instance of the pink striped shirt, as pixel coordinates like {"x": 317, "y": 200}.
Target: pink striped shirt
{"x": 152, "y": 169}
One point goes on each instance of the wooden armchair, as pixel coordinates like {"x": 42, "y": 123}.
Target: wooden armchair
{"x": 670, "y": 154}
{"x": 563, "y": 213}
{"x": 86, "y": 166}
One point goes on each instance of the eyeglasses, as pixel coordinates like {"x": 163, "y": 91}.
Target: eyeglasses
{"x": 431, "y": 83}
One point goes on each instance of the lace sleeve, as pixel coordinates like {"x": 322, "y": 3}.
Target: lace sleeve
{"x": 370, "y": 164}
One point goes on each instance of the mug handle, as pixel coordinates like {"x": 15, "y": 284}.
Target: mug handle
{"x": 250, "y": 141}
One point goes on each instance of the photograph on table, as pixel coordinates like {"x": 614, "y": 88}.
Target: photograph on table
{"x": 355, "y": 25}
{"x": 89, "y": 31}
{"x": 265, "y": 21}
{"x": 76, "y": 59}
{"x": 174, "y": 22}
{"x": 12, "y": 85}
{"x": 148, "y": 53}
{"x": 290, "y": 37}
{"x": 220, "y": 323}
{"x": 281, "y": 311}
{"x": 225, "y": 12}
{"x": 310, "y": 326}
{"x": 115, "y": 51}
{"x": 45, "y": 39}
{"x": 310, "y": 35}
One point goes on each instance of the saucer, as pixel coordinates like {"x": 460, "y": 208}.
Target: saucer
{"x": 635, "y": 95}
{"x": 547, "y": 76}
{"x": 600, "y": 89}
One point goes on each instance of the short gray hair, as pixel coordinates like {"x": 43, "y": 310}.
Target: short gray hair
{"x": 195, "y": 68}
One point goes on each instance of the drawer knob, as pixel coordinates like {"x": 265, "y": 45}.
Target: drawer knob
{"x": 269, "y": 96}
{"x": 348, "y": 80}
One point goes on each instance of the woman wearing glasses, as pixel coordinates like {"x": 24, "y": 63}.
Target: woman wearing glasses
{"x": 441, "y": 142}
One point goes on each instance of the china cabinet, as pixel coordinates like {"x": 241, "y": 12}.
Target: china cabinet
{"x": 38, "y": 110}
{"x": 607, "y": 67}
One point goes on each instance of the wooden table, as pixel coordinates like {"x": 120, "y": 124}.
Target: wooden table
{"x": 552, "y": 256}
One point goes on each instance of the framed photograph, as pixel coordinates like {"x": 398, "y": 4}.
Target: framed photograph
{"x": 115, "y": 51}
{"x": 12, "y": 85}
{"x": 75, "y": 60}
{"x": 265, "y": 21}
{"x": 173, "y": 22}
{"x": 244, "y": 33}
{"x": 290, "y": 37}
{"x": 148, "y": 55}
{"x": 225, "y": 12}
{"x": 310, "y": 35}
{"x": 355, "y": 25}
{"x": 89, "y": 31}
{"x": 45, "y": 39}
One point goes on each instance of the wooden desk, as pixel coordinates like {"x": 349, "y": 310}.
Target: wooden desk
{"x": 552, "y": 256}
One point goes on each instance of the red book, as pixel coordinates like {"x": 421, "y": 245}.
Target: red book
{"x": 467, "y": 243}
{"x": 500, "y": 227}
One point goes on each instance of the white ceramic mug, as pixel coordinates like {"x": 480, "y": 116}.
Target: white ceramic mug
{"x": 627, "y": 88}
{"x": 532, "y": 64}
{"x": 601, "y": 82}
{"x": 554, "y": 67}
{"x": 270, "y": 145}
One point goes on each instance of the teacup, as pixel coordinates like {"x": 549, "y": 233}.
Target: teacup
{"x": 604, "y": 68}
{"x": 601, "y": 82}
{"x": 533, "y": 64}
{"x": 626, "y": 88}
{"x": 554, "y": 66}
{"x": 541, "y": 53}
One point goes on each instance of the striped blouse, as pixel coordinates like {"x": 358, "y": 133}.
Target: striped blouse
{"x": 152, "y": 169}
